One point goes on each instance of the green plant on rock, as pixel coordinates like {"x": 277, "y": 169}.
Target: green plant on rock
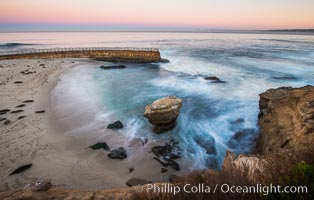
{"x": 302, "y": 174}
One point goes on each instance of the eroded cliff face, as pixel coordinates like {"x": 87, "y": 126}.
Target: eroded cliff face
{"x": 286, "y": 121}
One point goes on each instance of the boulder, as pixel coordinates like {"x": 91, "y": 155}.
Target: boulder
{"x": 166, "y": 154}
{"x": 163, "y": 113}
{"x": 119, "y": 153}
{"x": 115, "y": 125}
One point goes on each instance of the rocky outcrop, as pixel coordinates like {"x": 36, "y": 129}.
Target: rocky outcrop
{"x": 286, "y": 119}
{"x": 163, "y": 113}
{"x": 286, "y": 135}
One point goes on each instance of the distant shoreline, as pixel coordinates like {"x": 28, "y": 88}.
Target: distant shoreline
{"x": 274, "y": 31}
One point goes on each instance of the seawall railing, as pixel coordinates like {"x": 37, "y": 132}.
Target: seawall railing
{"x": 116, "y": 54}
{"x": 53, "y": 50}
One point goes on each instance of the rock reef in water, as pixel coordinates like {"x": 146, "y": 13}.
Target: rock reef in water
{"x": 163, "y": 113}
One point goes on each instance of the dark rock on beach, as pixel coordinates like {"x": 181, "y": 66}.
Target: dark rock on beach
{"x": 100, "y": 145}
{"x": 115, "y": 125}
{"x": 131, "y": 169}
{"x": 170, "y": 150}
{"x": 28, "y": 101}
{"x": 113, "y": 67}
{"x": 21, "y": 169}
{"x": 163, "y": 170}
{"x": 137, "y": 181}
{"x": 17, "y": 111}
{"x": 119, "y": 153}
{"x": 4, "y": 111}
{"x": 21, "y": 117}
{"x": 163, "y": 113}
{"x": 166, "y": 154}
{"x": 21, "y": 105}
{"x": 40, "y": 111}
{"x": 18, "y": 82}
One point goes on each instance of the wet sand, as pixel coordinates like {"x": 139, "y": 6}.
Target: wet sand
{"x": 38, "y": 138}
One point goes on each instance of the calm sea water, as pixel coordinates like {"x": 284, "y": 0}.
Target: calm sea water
{"x": 212, "y": 112}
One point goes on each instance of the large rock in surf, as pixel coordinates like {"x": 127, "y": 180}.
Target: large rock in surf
{"x": 163, "y": 113}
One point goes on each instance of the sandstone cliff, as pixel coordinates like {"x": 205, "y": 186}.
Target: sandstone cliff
{"x": 286, "y": 121}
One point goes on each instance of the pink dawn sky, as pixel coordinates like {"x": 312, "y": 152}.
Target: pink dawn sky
{"x": 227, "y": 14}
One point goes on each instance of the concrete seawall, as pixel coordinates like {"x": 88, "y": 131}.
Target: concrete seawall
{"x": 105, "y": 54}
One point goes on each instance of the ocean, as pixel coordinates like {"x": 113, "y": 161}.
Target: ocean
{"x": 214, "y": 118}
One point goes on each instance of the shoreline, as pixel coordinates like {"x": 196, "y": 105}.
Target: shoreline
{"x": 26, "y": 138}
{"x": 66, "y": 160}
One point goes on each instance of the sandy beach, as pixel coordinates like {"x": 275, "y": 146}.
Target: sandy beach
{"x": 38, "y": 138}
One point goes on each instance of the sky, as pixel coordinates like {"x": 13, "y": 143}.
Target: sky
{"x": 158, "y": 14}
